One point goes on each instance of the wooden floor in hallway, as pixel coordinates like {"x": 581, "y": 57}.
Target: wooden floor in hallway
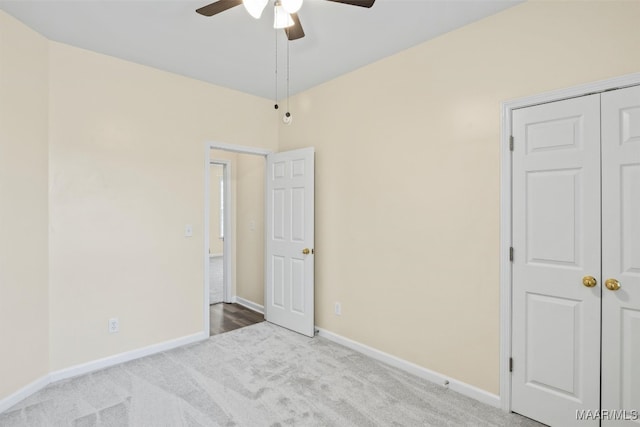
{"x": 227, "y": 317}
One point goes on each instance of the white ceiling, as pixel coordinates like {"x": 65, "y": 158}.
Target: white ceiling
{"x": 234, "y": 50}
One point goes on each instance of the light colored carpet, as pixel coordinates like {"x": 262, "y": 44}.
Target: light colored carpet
{"x": 261, "y": 375}
{"x": 216, "y": 274}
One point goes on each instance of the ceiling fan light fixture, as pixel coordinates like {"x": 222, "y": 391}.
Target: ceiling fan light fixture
{"x": 281, "y": 19}
{"x": 291, "y": 6}
{"x": 255, "y": 7}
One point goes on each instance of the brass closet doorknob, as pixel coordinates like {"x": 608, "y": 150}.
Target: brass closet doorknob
{"x": 612, "y": 284}
{"x": 306, "y": 251}
{"x": 589, "y": 281}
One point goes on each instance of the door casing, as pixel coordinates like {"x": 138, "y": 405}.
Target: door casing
{"x": 506, "y": 202}
{"x": 228, "y": 238}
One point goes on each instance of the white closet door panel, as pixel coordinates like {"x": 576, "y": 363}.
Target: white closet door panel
{"x": 621, "y": 254}
{"x": 556, "y": 240}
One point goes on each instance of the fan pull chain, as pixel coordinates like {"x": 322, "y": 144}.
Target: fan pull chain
{"x": 276, "y": 94}
{"x": 287, "y": 115}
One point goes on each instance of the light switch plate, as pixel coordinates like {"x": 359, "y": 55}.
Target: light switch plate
{"x": 188, "y": 230}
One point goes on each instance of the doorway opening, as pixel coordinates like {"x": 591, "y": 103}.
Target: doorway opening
{"x": 234, "y": 242}
{"x": 268, "y": 239}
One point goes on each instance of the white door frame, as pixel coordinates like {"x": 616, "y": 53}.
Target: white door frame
{"x": 229, "y": 237}
{"x": 505, "y": 206}
{"x": 227, "y": 293}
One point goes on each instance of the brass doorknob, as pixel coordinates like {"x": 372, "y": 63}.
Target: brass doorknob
{"x": 612, "y": 284}
{"x": 306, "y": 251}
{"x": 589, "y": 281}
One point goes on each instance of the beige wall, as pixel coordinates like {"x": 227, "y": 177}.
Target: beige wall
{"x": 24, "y": 314}
{"x": 407, "y": 176}
{"x": 126, "y": 159}
{"x": 250, "y": 228}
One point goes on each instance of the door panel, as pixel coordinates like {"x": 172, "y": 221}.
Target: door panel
{"x": 553, "y": 367}
{"x": 289, "y": 296}
{"x": 553, "y": 217}
{"x": 629, "y": 368}
{"x": 277, "y": 281}
{"x": 556, "y": 240}
{"x": 621, "y": 252}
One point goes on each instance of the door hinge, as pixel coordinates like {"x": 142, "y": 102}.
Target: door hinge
{"x": 511, "y": 364}
{"x": 511, "y": 143}
{"x": 511, "y": 254}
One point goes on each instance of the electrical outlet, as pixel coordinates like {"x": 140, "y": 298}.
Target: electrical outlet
{"x": 114, "y": 325}
{"x": 338, "y": 309}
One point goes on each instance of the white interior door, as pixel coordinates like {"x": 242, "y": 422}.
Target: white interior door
{"x": 289, "y": 296}
{"x": 621, "y": 254}
{"x": 556, "y": 241}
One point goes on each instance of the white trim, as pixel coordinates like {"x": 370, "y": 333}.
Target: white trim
{"x": 574, "y": 91}
{"x": 229, "y": 240}
{"x": 206, "y": 326}
{"x": 215, "y": 255}
{"x": 238, "y": 148}
{"x": 97, "y": 365}
{"x": 116, "y": 359}
{"x": 265, "y": 234}
{"x": 23, "y": 393}
{"x": 424, "y": 373}
{"x": 505, "y": 206}
{"x": 228, "y": 252}
{"x": 250, "y": 304}
{"x": 505, "y": 263}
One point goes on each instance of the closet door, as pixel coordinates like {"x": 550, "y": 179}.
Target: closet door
{"x": 556, "y": 241}
{"x": 621, "y": 255}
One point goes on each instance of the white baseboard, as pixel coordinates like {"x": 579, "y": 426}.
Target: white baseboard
{"x": 435, "y": 377}
{"x": 116, "y": 359}
{"x": 96, "y": 365}
{"x": 427, "y": 374}
{"x": 23, "y": 393}
{"x": 250, "y": 304}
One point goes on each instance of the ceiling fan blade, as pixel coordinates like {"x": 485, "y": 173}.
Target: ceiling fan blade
{"x": 362, "y": 3}
{"x": 217, "y": 7}
{"x": 295, "y": 32}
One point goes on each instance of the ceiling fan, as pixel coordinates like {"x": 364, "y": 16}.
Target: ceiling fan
{"x": 285, "y": 15}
